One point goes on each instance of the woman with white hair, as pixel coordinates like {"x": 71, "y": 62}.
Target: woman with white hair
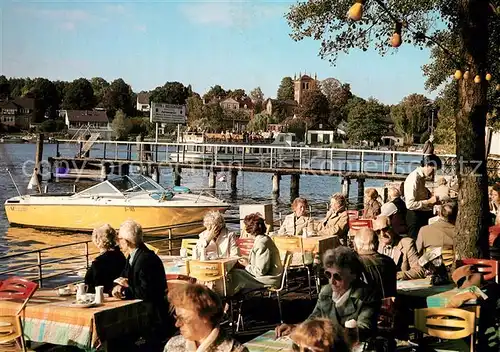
{"x": 110, "y": 262}
{"x": 217, "y": 241}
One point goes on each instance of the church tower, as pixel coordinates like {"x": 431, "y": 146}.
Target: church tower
{"x": 303, "y": 84}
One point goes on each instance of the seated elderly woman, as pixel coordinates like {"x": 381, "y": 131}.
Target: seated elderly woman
{"x": 336, "y": 220}
{"x": 317, "y": 335}
{"x": 372, "y": 206}
{"x": 110, "y": 262}
{"x": 216, "y": 239}
{"x": 264, "y": 266}
{"x": 295, "y": 223}
{"x": 346, "y": 297}
{"x": 198, "y": 313}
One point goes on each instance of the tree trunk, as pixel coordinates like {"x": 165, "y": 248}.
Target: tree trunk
{"x": 472, "y": 223}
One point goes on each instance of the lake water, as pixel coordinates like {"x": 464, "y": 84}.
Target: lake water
{"x": 253, "y": 188}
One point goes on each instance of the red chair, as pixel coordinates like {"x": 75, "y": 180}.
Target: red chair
{"x": 191, "y": 280}
{"x": 360, "y": 223}
{"x": 353, "y": 214}
{"x": 17, "y": 288}
{"x": 245, "y": 245}
{"x": 487, "y": 267}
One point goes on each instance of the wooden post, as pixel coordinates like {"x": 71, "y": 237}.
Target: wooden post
{"x": 345, "y": 186}
{"x": 294, "y": 186}
{"x": 212, "y": 176}
{"x": 38, "y": 160}
{"x": 177, "y": 176}
{"x": 276, "y": 185}
{"x": 51, "y": 163}
{"x": 155, "y": 173}
{"x": 234, "y": 180}
{"x": 361, "y": 193}
{"x": 104, "y": 172}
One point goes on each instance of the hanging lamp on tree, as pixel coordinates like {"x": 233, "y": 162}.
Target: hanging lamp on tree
{"x": 477, "y": 79}
{"x": 488, "y": 77}
{"x": 458, "y": 74}
{"x": 356, "y": 11}
{"x": 466, "y": 75}
{"x": 396, "y": 37}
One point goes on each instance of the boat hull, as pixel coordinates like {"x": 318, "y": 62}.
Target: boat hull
{"x": 154, "y": 220}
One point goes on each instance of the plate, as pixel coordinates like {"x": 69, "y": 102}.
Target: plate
{"x": 64, "y": 294}
{"x": 84, "y": 305}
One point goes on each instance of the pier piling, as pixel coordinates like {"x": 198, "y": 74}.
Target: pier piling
{"x": 234, "y": 180}
{"x": 294, "y": 186}
{"x": 361, "y": 193}
{"x": 176, "y": 173}
{"x": 212, "y": 176}
{"x": 155, "y": 173}
{"x": 345, "y": 186}
{"x": 276, "y": 185}
{"x": 38, "y": 160}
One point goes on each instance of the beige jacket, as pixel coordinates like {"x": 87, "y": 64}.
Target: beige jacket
{"x": 223, "y": 247}
{"x": 404, "y": 254}
{"x": 293, "y": 226}
{"x": 438, "y": 234}
{"x": 334, "y": 224}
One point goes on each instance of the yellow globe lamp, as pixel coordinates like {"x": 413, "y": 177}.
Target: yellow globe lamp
{"x": 477, "y": 79}
{"x": 458, "y": 74}
{"x": 488, "y": 77}
{"x": 356, "y": 11}
{"x": 497, "y": 87}
{"x": 396, "y": 40}
{"x": 466, "y": 75}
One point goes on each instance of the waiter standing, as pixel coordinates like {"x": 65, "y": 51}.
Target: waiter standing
{"x": 417, "y": 197}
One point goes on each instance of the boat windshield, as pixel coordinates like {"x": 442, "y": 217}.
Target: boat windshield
{"x": 137, "y": 183}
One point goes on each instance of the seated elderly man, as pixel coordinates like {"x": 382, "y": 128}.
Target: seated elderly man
{"x": 441, "y": 233}
{"x": 380, "y": 270}
{"x": 143, "y": 278}
{"x": 216, "y": 239}
{"x": 346, "y": 297}
{"x": 295, "y": 223}
{"x": 336, "y": 220}
{"x": 402, "y": 250}
{"x": 395, "y": 210}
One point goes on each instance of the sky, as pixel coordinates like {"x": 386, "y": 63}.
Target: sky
{"x": 234, "y": 44}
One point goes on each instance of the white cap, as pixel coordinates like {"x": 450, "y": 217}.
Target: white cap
{"x": 388, "y": 209}
{"x": 351, "y": 324}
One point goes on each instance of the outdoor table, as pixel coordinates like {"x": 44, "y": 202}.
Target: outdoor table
{"x": 320, "y": 244}
{"x": 421, "y": 288}
{"x": 49, "y": 318}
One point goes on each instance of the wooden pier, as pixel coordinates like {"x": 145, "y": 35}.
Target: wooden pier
{"x": 106, "y": 157}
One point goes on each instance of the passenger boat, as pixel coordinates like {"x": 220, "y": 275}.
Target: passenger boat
{"x": 196, "y": 150}
{"x": 114, "y": 201}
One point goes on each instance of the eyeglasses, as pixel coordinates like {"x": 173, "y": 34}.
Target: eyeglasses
{"x": 335, "y": 276}
{"x": 382, "y": 230}
{"x": 182, "y": 320}
{"x": 299, "y": 348}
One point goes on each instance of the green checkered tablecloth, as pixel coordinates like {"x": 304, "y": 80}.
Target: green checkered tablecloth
{"x": 267, "y": 343}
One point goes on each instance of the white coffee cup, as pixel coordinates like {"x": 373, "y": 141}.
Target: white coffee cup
{"x": 99, "y": 294}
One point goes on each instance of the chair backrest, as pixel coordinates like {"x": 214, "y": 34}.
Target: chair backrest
{"x": 387, "y": 313}
{"x": 360, "y": 223}
{"x": 10, "y": 328}
{"x": 292, "y": 244}
{"x": 487, "y": 267}
{"x": 446, "y": 323}
{"x": 188, "y": 244}
{"x": 17, "y": 288}
{"x": 152, "y": 248}
{"x": 353, "y": 214}
{"x": 186, "y": 278}
{"x": 448, "y": 257}
{"x": 205, "y": 270}
{"x": 245, "y": 245}
{"x": 286, "y": 257}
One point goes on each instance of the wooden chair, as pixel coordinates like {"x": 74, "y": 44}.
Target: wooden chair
{"x": 152, "y": 248}
{"x": 207, "y": 271}
{"x": 487, "y": 267}
{"x": 286, "y": 257}
{"x": 17, "y": 288}
{"x": 353, "y": 214}
{"x": 294, "y": 245}
{"x": 11, "y": 332}
{"x": 189, "y": 244}
{"x": 360, "y": 223}
{"x": 245, "y": 246}
{"x": 448, "y": 257}
{"x": 447, "y": 323}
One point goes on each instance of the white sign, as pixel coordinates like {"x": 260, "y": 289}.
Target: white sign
{"x": 167, "y": 113}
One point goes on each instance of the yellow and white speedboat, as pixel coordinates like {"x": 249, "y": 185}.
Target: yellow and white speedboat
{"x": 114, "y": 201}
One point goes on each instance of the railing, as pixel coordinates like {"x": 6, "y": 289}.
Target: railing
{"x": 262, "y": 157}
{"x": 39, "y": 264}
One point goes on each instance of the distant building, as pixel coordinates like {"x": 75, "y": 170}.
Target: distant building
{"x": 18, "y": 112}
{"x": 303, "y": 84}
{"x": 245, "y": 104}
{"x": 93, "y": 120}
{"x": 143, "y": 104}
{"x": 320, "y": 137}
{"x": 273, "y": 106}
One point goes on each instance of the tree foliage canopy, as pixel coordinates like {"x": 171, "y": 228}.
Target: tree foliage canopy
{"x": 285, "y": 90}
{"x": 79, "y": 95}
{"x": 171, "y": 93}
{"x": 411, "y": 116}
{"x": 365, "y": 121}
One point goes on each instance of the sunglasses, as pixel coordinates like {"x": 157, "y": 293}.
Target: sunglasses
{"x": 382, "y": 230}
{"x": 299, "y": 348}
{"x": 335, "y": 276}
